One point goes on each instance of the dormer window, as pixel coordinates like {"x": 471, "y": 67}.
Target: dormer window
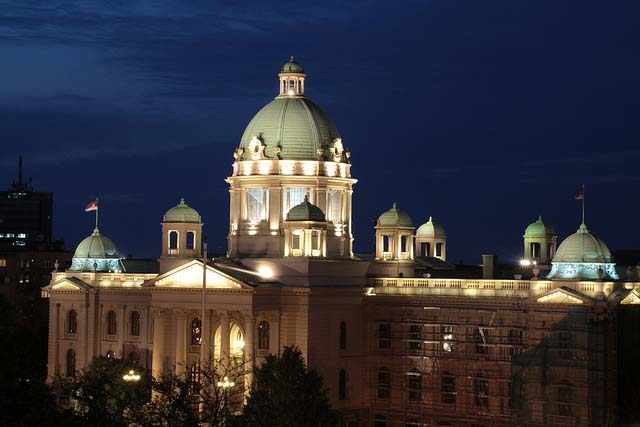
{"x": 337, "y": 150}
{"x": 256, "y": 148}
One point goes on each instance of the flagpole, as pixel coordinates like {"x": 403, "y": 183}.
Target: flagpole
{"x": 97, "y": 209}
{"x": 583, "y": 197}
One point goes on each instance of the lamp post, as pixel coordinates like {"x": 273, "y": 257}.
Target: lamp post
{"x": 225, "y": 383}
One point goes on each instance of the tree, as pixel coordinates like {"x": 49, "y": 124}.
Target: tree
{"x": 101, "y": 396}
{"x": 286, "y": 393}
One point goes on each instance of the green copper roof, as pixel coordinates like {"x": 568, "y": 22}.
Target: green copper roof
{"x": 582, "y": 246}
{"x": 305, "y": 211}
{"x": 295, "y": 124}
{"x": 395, "y": 217}
{"x": 96, "y": 246}
{"x": 431, "y": 229}
{"x": 292, "y": 67}
{"x": 539, "y": 229}
{"x": 182, "y": 213}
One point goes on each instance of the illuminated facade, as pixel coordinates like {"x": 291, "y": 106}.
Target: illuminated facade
{"x": 394, "y": 348}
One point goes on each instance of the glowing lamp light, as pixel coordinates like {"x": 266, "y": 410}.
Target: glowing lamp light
{"x": 131, "y": 376}
{"x": 225, "y": 383}
{"x": 265, "y": 272}
{"x": 291, "y": 92}
{"x": 525, "y": 262}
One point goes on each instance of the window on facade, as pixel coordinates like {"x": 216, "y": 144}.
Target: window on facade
{"x": 256, "y": 204}
{"x": 296, "y": 240}
{"x": 342, "y": 385}
{"x": 515, "y": 341}
{"x": 3, "y": 262}
{"x": 263, "y": 335}
{"x": 173, "y": 240}
{"x": 448, "y": 388}
{"x": 72, "y": 322}
{"x": 414, "y": 385}
{"x": 135, "y": 324}
{"x": 384, "y": 383}
{"x": 112, "y": 324}
{"x": 403, "y": 243}
{"x": 294, "y": 196}
{"x": 334, "y": 205}
{"x": 196, "y": 331}
{"x": 134, "y": 358}
{"x": 191, "y": 240}
{"x": 343, "y": 335}
{"x": 71, "y": 363}
{"x": 412, "y": 422}
{"x": 566, "y": 343}
{"x": 565, "y": 398}
{"x": 439, "y": 249}
{"x": 384, "y": 335}
{"x": 425, "y": 249}
{"x": 481, "y": 339}
{"x": 535, "y": 250}
{"x": 481, "y": 392}
{"x": 415, "y": 337}
{"x": 447, "y": 338}
{"x": 194, "y": 376}
{"x": 386, "y": 243}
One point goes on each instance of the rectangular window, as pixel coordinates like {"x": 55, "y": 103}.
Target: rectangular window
{"x": 481, "y": 392}
{"x": 447, "y": 338}
{"x": 256, "y": 204}
{"x": 384, "y": 335}
{"x": 3, "y": 262}
{"x": 448, "y": 388}
{"x": 334, "y": 205}
{"x": 415, "y": 337}
{"x": 294, "y": 196}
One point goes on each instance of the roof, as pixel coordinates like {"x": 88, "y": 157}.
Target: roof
{"x": 394, "y": 217}
{"x": 294, "y": 124}
{"x": 431, "y": 229}
{"x": 582, "y": 246}
{"x": 292, "y": 66}
{"x": 539, "y": 229}
{"x": 132, "y": 265}
{"x": 305, "y": 211}
{"x": 96, "y": 246}
{"x": 182, "y": 213}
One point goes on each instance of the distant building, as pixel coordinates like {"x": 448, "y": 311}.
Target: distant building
{"x": 401, "y": 338}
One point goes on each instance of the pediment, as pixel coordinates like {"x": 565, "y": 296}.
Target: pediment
{"x": 68, "y": 284}
{"x": 189, "y": 275}
{"x": 563, "y": 296}
{"x": 632, "y": 298}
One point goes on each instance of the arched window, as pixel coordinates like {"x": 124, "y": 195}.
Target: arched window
{"x": 447, "y": 388}
{"x": 173, "y": 242}
{"x": 71, "y": 363}
{"x": 196, "y": 331}
{"x": 343, "y": 335}
{"x": 72, "y": 322}
{"x": 384, "y": 383}
{"x": 135, "y": 324}
{"x": 414, "y": 384}
{"x": 134, "y": 358}
{"x": 112, "y": 324}
{"x": 191, "y": 240}
{"x": 263, "y": 335}
{"x": 194, "y": 375}
{"x": 342, "y": 385}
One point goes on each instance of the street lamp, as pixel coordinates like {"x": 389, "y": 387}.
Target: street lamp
{"x": 131, "y": 376}
{"x": 225, "y": 383}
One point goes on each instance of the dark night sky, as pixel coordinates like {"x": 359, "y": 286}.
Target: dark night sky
{"x": 484, "y": 114}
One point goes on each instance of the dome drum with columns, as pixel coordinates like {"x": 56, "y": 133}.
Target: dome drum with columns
{"x": 290, "y": 150}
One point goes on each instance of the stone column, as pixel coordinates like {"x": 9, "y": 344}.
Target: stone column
{"x": 224, "y": 338}
{"x": 157, "y": 365}
{"x": 249, "y": 345}
{"x": 207, "y": 335}
{"x": 181, "y": 342}
{"x": 54, "y": 319}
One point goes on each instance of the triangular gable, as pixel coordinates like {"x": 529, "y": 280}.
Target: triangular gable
{"x": 189, "y": 275}
{"x": 68, "y": 284}
{"x": 632, "y": 298}
{"x": 563, "y": 295}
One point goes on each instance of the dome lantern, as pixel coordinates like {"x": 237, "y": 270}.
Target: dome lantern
{"x": 292, "y": 79}
{"x": 394, "y": 235}
{"x": 539, "y": 242}
{"x": 181, "y": 235}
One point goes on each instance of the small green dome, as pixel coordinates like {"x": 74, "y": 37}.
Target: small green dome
{"x": 96, "y": 246}
{"x": 539, "y": 229}
{"x": 394, "y": 217}
{"x": 583, "y": 246}
{"x": 296, "y": 125}
{"x": 305, "y": 211}
{"x": 431, "y": 229}
{"x": 182, "y": 213}
{"x": 292, "y": 67}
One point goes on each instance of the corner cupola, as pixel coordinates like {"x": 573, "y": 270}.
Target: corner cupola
{"x": 431, "y": 240}
{"x": 394, "y": 235}
{"x": 181, "y": 236}
{"x": 539, "y": 242}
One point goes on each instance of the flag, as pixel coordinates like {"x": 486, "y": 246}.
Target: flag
{"x": 92, "y": 206}
{"x": 580, "y": 193}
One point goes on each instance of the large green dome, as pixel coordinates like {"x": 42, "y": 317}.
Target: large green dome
{"x": 182, "y": 213}
{"x": 295, "y": 124}
{"x": 96, "y": 246}
{"x": 539, "y": 229}
{"x": 395, "y": 217}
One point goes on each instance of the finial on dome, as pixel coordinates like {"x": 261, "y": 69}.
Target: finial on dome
{"x": 306, "y": 196}
{"x": 430, "y": 219}
{"x": 394, "y": 206}
{"x": 292, "y": 59}
{"x": 96, "y": 231}
{"x": 181, "y": 201}
{"x": 539, "y": 218}
{"x": 583, "y": 228}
